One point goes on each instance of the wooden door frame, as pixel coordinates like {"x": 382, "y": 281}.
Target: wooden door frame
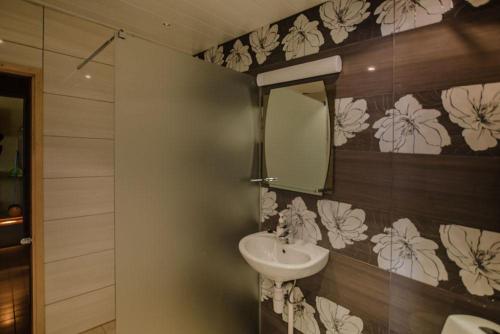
{"x": 37, "y": 248}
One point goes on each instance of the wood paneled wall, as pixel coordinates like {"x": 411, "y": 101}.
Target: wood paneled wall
{"x": 79, "y": 159}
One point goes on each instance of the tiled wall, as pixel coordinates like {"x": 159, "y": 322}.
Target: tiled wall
{"x": 413, "y": 224}
{"x": 79, "y": 159}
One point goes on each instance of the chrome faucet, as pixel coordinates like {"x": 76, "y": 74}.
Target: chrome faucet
{"x": 283, "y": 231}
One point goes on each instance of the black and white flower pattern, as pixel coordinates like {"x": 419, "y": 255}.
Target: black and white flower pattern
{"x": 409, "y": 128}
{"x": 344, "y": 224}
{"x": 239, "y": 58}
{"x": 477, "y": 253}
{"x": 268, "y": 204}
{"x": 337, "y": 319}
{"x": 301, "y": 222}
{"x": 303, "y": 38}
{"x": 263, "y": 41}
{"x": 402, "y": 250}
{"x": 476, "y": 109}
{"x": 400, "y": 15}
{"x": 342, "y": 17}
{"x": 214, "y": 55}
{"x": 303, "y": 317}
{"x": 266, "y": 288}
{"x": 350, "y": 118}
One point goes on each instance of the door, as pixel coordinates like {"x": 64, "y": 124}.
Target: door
{"x": 19, "y": 303}
{"x": 15, "y": 224}
{"x": 185, "y": 140}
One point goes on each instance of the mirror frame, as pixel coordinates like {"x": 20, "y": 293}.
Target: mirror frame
{"x": 330, "y": 89}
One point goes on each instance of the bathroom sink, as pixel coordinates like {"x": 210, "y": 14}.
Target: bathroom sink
{"x": 282, "y": 262}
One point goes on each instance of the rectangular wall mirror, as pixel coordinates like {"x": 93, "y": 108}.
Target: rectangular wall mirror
{"x": 297, "y": 137}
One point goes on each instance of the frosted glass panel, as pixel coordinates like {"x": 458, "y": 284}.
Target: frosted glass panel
{"x": 185, "y": 138}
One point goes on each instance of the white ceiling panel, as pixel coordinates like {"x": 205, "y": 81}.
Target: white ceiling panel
{"x": 195, "y": 25}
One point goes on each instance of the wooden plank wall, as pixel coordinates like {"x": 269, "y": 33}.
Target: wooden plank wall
{"x": 79, "y": 159}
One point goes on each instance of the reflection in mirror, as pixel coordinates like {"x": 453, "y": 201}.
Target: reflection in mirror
{"x": 297, "y": 137}
{"x": 11, "y": 170}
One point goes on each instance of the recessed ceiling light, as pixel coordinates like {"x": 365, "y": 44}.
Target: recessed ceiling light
{"x": 371, "y": 68}
{"x": 88, "y": 76}
{"x": 166, "y": 24}
{"x": 1, "y": 41}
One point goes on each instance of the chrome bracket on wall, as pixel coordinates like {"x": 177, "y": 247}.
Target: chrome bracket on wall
{"x": 266, "y": 179}
{"x": 120, "y": 34}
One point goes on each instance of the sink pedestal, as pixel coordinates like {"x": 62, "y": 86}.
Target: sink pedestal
{"x": 278, "y": 297}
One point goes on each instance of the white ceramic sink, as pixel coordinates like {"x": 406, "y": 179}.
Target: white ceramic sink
{"x": 281, "y": 262}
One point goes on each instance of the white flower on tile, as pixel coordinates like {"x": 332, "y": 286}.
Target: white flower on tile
{"x": 476, "y": 109}
{"x": 478, "y": 3}
{"x": 266, "y": 288}
{"x": 350, "y": 117}
{"x": 400, "y": 15}
{"x": 214, "y": 55}
{"x": 303, "y": 315}
{"x": 268, "y": 204}
{"x": 477, "y": 253}
{"x": 337, "y": 319}
{"x": 263, "y": 41}
{"x": 408, "y": 128}
{"x": 239, "y": 58}
{"x": 301, "y": 222}
{"x": 342, "y": 17}
{"x": 402, "y": 250}
{"x": 303, "y": 38}
{"x": 345, "y": 225}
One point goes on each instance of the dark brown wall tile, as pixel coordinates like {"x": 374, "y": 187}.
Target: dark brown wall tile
{"x": 417, "y": 308}
{"x": 456, "y": 52}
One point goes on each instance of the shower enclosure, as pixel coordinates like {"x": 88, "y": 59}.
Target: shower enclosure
{"x": 185, "y": 141}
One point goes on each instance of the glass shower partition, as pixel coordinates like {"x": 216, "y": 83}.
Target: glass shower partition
{"x": 185, "y": 140}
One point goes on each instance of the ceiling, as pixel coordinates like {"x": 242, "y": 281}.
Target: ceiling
{"x": 195, "y": 25}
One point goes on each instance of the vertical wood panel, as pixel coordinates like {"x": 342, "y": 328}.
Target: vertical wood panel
{"x": 76, "y": 157}
{"x": 76, "y": 276}
{"x": 73, "y": 237}
{"x": 73, "y": 36}
{"x": 76, "y": 117}
{"x": 62, "y": 77}
{"x": 80, "y": 313}
{"x": 74, "y": 197}
{"x": 21, "y": 22}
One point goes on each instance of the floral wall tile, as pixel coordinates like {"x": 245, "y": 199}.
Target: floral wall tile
{"x": 214, "y": 55}
{"x": 266, "y": 288}
{"x": 268, "y": 204}
{"x": 400, "y": 15}
{"x": 350, "y": 118}
{"x": 409, "y": 128}
{"x": 477, "y": 254}
{"x": 239, "y": 58}
{"x": 437, "y": 175}
{"x": 301, "y": 222}
{"x": 475, "y": 108}
{"x": 304, "y": 319}
{"x": 343, "y": 16}
{"x": 344, "y": 224}
{"x": 337, "y": 319}
{"x": 401, "y": 249}
{"x": 303, "y": 38}
{"x": 263, "y": 41}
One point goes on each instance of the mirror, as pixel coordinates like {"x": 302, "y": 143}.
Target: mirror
{"x": 297, "y": 137}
